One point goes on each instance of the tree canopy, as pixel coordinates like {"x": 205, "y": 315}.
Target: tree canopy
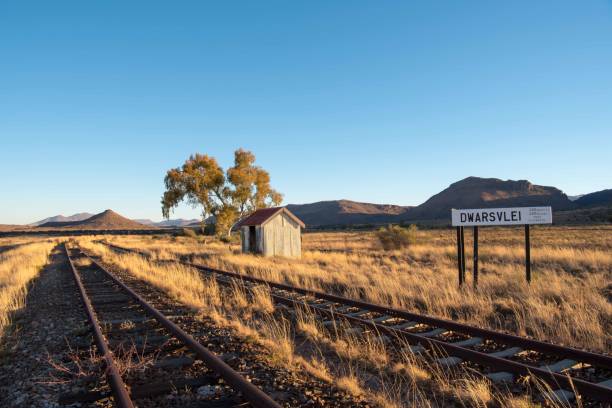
{"x": 227, "y": 196}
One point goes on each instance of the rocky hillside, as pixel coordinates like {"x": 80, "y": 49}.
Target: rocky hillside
{"x": 472, "y": 192}
{"x": 345, "y": 212}
{"x": 476, "y": 192}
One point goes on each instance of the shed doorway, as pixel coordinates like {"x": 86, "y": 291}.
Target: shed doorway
{"x": 252, "y": 239}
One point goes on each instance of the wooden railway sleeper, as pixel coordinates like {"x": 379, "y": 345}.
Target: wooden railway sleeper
{"x": 253, "y": 394}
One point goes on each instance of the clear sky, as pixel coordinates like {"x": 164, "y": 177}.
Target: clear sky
{"x": 377, "y": 101}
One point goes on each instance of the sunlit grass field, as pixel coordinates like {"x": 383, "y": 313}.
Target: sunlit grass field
{"x": 568, "y": 301}
{"x": 18, "y": 267}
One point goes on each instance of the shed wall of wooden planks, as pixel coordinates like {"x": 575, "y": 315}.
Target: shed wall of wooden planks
{"x": 280, "y": 236}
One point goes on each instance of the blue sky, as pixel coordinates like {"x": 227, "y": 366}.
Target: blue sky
{"x": 378, "y": 101}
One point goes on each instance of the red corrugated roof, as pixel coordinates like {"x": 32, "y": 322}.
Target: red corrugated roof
{"x": 260, "y": 217}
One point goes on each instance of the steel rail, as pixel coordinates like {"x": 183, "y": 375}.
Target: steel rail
{"x": 599, "y": 392}
{"x": 596, "y": 391}
{"x": 584, "y": 356}
{"x": 599, "y": 360}
{"x": 120, "y": 392}
{"x": 252, "y": 393}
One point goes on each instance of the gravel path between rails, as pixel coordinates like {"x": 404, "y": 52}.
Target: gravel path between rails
{"x": 48, "y": 329}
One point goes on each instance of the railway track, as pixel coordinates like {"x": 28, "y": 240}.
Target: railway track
{"x": 499, "y": 356}
{"x": 146, "y": 354}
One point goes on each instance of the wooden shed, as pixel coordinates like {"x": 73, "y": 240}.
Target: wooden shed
{"x": 271, "y": 231}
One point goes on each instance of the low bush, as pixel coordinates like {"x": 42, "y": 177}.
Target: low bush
{"x": 229, "y": 239}
{"x": 189, "y": 233}
{"x": 396, "y": 237}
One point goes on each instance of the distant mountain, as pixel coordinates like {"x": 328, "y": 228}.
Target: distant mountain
{"x": 180, "y": 222}
{"x": 61, "y": 218}
{"x": 346, "y": 212}
{"x": 144, "y": 221}
{"x": 472, "y": 192}
{"x": 601, "y": 198}
{"x": 198, "y": 223}
{"x": 105, "y": 220}
{"x": 177, "y": 223}
{"x": 575, "y": 197}
{"x": 476, "y": 192}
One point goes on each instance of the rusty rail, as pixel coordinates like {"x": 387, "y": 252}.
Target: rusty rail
{"x": 592, "y": 390}
{"x": 253, "y": 394}
{"x": 118, "y": 387}
{"x": 595, "y": 391}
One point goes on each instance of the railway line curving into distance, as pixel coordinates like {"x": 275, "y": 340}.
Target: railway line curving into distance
{"x": 126, "y": 328}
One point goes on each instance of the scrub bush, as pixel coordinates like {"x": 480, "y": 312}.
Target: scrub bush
{"x": 396, "y": 237}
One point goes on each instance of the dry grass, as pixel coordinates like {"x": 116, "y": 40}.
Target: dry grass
{"x": 568, "y": 302}
{"x": 10, "y": 241}
{"x": 185, "y": 283}
{"x": 18, "y": 267}
{"x": 234, "y": 307}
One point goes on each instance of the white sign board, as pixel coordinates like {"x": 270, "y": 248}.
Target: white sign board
{"x": 476, "y": 217}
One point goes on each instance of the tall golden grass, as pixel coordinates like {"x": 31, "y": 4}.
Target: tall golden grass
{"x": 234, "y": 307}
{"x": 568, "y": 301}
{"x": 17, "y": 268}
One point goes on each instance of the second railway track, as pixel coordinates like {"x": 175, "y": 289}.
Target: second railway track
{"x": 130, "y": 332}
{"x": 499, "y": 356}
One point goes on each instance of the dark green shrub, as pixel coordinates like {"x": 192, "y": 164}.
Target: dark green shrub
{"x": 208, "y": 229}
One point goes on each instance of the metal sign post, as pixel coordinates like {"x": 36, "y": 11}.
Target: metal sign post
{"x": 527, "y": 255}
{"x": 475, "y": 281}
{"x": 459, "y": 257}
{"x": 477, "y": 217}
{"x": 462, "y": 254}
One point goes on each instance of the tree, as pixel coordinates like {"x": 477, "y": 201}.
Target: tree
{"x": 225, "y": 196}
